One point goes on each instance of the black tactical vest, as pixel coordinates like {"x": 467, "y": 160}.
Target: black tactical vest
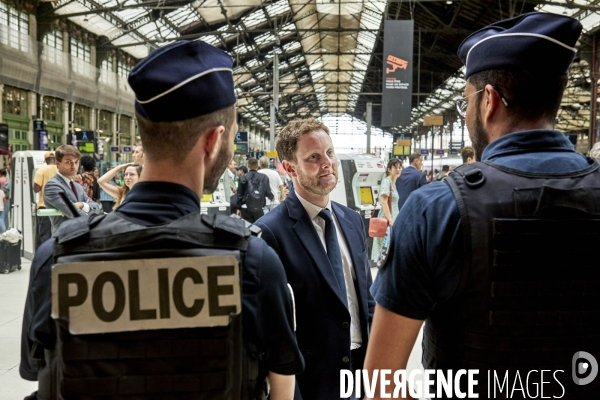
{"x": 529, "y": 295}
{"x": 191, "y": 363}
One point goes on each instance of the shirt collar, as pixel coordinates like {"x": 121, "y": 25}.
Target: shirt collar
{"x": 64, "y": 177}
{"x": 163, "y": 193}
{"x": 532, "y": 141}
{"x": 311, "y": 209}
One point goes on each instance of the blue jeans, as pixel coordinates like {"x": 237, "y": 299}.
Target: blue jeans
{"x": 2, "y": 224}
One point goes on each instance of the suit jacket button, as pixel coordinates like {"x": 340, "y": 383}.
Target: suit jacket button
{"x": 346, "y": 359}
{"x": 345, "y": 325}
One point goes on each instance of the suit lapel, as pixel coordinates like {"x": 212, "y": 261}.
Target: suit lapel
{"x": 305, "y": 231}
{"x": 353, "y": 241}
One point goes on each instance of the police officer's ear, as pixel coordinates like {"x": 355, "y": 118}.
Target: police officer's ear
{"x": 213, "y": 141}
{"x": 493, "y": 105}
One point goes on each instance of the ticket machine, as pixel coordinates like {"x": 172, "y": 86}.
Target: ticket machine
{"x": 218, "y": 201}
{"x": 359, "y": 179}
{"x": 24, "y": 166}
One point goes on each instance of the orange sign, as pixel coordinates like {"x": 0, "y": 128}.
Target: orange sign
{"x": 396, "y": 63}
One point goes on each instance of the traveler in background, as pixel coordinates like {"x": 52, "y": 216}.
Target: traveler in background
{"x": 2, "y": 202}
{"x": 138, "y": 154}
{"x": 87, "y": 180}
{"x": 5, "y": 187}
{"x": 107, "y": 201}
{"x": 96, "y": 173}
{"x": 67, "y": 163}
{"x": 275, "y": 183}
{"x": 595, "y": 151}
{"x": 468, "y": 155}
{"x": 388, "y": 185}
{"x": 411, "y": 178}
{"x": 232, "y": 177}
{"x": 42, "y": 176}
{"x": 250, "y": 183}
{"x": 442, "y": 175}
{"x": 131, "y": 177}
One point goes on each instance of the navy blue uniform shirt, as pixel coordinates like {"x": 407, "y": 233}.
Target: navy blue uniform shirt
{"x": 427, "y": 251}
{"x": 268, "y": 319}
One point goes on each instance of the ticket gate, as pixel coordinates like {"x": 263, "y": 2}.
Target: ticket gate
{"x": 359, "y": 180}
{"x": 24, "y": 166}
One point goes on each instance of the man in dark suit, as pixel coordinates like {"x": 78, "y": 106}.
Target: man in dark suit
{"x": 325, "y": 260}
{"x": 67, "y": 163}
{"x": 410, "y": 179}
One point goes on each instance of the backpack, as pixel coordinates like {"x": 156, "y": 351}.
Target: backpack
{"x": 87, "y": 182}
{"x": 256, "y": 191}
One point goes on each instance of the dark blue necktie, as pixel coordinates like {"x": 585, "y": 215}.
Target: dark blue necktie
{"x": 333, "y": 250}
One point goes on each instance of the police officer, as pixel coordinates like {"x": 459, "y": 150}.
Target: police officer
{"x": 498, "y": 260}
{"x": 187, "y": 121}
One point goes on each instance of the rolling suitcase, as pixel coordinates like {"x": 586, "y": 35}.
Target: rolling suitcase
{"x": 10, "y": 256}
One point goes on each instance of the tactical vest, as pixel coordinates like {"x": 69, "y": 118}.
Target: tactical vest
{"x": 190, "y": 363}
{"x": 529, "y": 294}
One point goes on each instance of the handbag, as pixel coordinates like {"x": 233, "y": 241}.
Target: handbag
{"x": 378, "y": 225}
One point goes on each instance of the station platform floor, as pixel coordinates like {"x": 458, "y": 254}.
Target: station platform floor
{"x": 13, "y": 290}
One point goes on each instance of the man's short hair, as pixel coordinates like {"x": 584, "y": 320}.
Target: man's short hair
{"x": 88, "y": 163}
{"x": 66, "y": 150}
{"x": 413, "y": 157}
{"x": 3, "y": 172}
{"x": 264, "y": 162}
{"x": 445, "y": 168}
{"x": 287, "y": 140}
{"x": 595, "y": 151}
{"x": 467, "y": 152}
{"x": 175, "y": 139}
{"x": 253, "y": 164}
{"x": 531, "y": 96}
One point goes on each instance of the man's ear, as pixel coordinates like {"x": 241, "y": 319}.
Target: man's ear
{"x": 213, "y": 141}
{"x": 289, "y": 168}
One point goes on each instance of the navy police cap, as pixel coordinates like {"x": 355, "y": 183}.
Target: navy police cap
{"x": 182, "y": 80}
{"x": 535, "y": 41}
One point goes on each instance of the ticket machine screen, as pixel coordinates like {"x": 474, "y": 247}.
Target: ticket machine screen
{"x": 206, "y": 198}
{"x": 366, "y": 196}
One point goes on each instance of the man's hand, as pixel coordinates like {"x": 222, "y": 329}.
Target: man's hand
{"x": 79, "y": 205}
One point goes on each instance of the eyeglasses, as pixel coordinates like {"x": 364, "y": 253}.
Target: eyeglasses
{"x": 461, "y": 104}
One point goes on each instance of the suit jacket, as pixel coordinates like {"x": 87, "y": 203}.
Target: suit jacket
{"x": 52, "y": 199}
{"x": 321, "y": 314}
{"x": 409, "y": 180}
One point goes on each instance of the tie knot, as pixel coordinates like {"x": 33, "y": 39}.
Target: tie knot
{"x": 326, "y": 215}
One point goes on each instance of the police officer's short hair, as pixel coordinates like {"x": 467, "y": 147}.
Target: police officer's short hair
{"x": 174, "y": 139}
{"x": 530, "y": 95}
{"x": 287, "y": 140}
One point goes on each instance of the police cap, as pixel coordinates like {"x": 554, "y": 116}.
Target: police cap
{"x": 182, "y": 80}
{"x": 533, "y": 41}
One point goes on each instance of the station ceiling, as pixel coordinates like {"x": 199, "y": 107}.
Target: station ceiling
{"x": 329, "y": 52}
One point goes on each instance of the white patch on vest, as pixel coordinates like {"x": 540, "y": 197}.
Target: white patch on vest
{"x": 146, "y": 294}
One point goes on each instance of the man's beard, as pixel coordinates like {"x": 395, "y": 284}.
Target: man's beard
{"x": 211, "y": 180}
{"x": 314, "y": 185}
{"x": 479, "y": 138}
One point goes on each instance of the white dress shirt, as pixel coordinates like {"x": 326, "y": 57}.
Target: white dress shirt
{"x": 86, "y": 206}
{"x": 349, "y": 273}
